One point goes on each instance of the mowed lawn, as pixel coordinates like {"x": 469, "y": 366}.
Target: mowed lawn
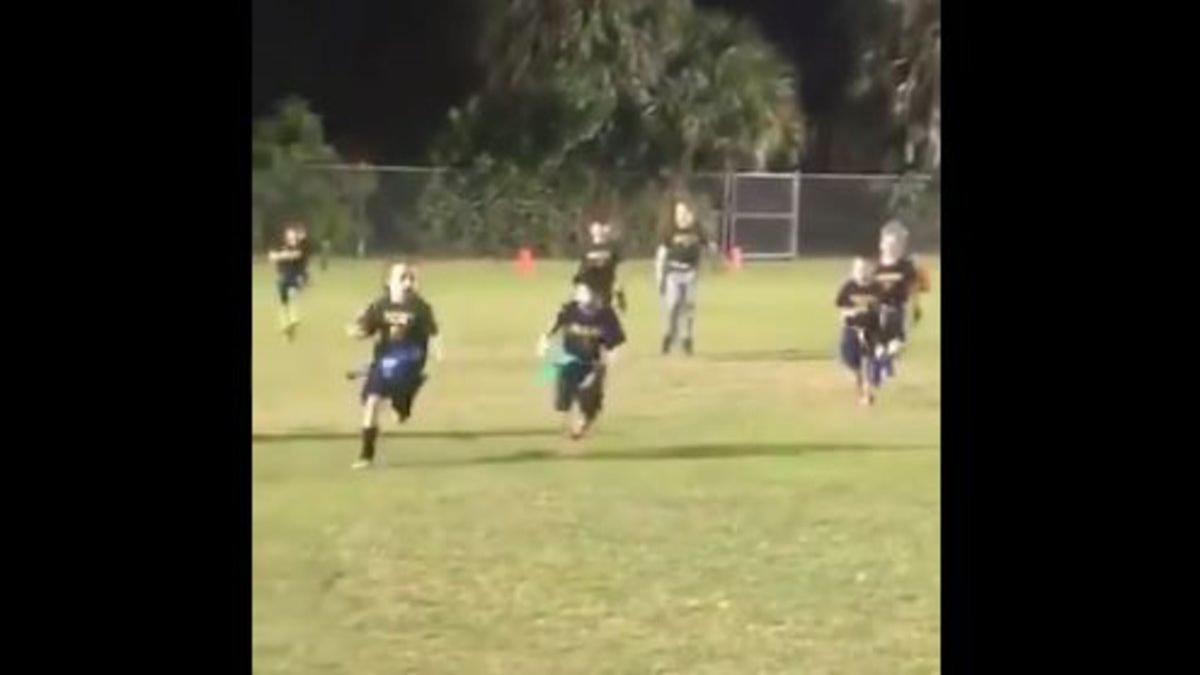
{"x": 735, "y": 512}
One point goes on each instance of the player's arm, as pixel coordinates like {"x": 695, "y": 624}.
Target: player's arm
{"x": 435, "y": 335}
{"x": 612, "y": 340}
{"x": 365, "y": 325}
{"x": 917, "y": 286}
{"x": 286, "y": 254}
{"x": 710, "y": 246}
{"x": 551, "y": 330}
{"x": 846, "y": 307}
{"x": 660, "y": 263}
{"x": 708, "y": 250}
{"x": 618, "y": 290}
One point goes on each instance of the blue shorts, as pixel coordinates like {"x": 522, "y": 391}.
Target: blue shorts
{"x": 851, "y": 349}
{"x": 395, "y": 375}
{"x": 288, "y": 284}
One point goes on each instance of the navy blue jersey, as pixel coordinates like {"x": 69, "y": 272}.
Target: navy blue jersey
{"x": 408, "y": 323}
{"x": 863, "y": 301}
{"x": 587, "y": 332}
{"x": 897, "y": 281}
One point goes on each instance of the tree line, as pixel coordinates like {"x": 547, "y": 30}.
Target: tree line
{"x": 605, "y": 108}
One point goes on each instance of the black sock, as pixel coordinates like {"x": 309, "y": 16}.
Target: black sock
{"x": 368, "y": 443}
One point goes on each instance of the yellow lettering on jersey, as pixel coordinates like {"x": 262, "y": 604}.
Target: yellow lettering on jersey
{"x": 599, "y": 256}
{"x": 583, "y": 331}
{"x": 393, "y": 318}
{"x": 685, "y": 239}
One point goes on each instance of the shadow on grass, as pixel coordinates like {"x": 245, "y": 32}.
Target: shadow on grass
{"x": 707, "y": 451}
{"x": 468, "y": 435}
{"x": 771, "y": 355}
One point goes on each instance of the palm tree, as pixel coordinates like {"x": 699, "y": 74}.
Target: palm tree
{"x": 916, "y": 96}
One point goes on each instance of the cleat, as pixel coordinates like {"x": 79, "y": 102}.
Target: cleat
{"x": 578, "y": 427}
{"x": 362, "y": 464}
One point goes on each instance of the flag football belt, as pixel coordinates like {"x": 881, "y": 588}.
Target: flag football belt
{"x": 394, "y": 361}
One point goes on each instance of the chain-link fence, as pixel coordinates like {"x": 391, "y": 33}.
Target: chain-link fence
{"x": 842, "y": 213}
{"x": 391, "y": 209}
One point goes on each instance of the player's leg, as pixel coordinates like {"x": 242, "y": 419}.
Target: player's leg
{"x": 373, "y": 391}
{"x": 289, "y": 308}
{"x": 565, "y": 386}
{"x": 591, "y": 399}
{"x": 668, "y": 304}
{"x": 868, "y": 367}
{"x": 874, "y": 367}
{"x": 690, "y": 285}
{"x": 293, "y": 312}
{"x": 370, "y": 431}
{"x": 281, "y": 286}
{"x": 406, "y": 392}
{"x": 891, "y": 340}
{"x": 850, "y": 350}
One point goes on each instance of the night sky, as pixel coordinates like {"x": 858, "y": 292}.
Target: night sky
{"x": 383, "y": 73}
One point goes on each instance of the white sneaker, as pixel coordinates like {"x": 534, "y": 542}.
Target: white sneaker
{"x": 361, "y": 464}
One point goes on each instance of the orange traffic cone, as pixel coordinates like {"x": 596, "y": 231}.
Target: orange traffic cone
{"x": 735, "y": 257}
{"x": 525, "y": 261}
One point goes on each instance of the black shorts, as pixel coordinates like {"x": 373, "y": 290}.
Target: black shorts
{"x": 567, "y": 389}
{"x": 857, "y": 344}
{"x": 289, "y": 284}
{"x": 891, "y": 318}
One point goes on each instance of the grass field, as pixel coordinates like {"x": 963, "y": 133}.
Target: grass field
{"x": 735, "y": 512}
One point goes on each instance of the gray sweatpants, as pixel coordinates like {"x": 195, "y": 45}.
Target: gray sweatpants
{"x": 679, "y": 303}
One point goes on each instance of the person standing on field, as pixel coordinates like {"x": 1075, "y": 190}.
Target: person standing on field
{"x": 676, "y": 268}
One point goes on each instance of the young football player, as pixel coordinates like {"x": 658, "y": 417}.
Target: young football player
{"x": 858, "y": 300}
{"x": 405, "y": 330}
{"x": 676, "y": 268}
{"x": 591, "y": 332}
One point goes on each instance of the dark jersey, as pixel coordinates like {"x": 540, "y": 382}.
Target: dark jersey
{"x": 305, "y": 248}
{"x": 586, "y": 332}
{"x": 896, "y": 281}
{"x": 296, "y": 263}
{"x": 684, "y": 246}
{"x": 598, "y": 267}
{"x": 408, "y": 323}
{"x": 864, "y": 300}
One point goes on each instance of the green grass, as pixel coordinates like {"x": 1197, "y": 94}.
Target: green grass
{"x": 732, "y": 513}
